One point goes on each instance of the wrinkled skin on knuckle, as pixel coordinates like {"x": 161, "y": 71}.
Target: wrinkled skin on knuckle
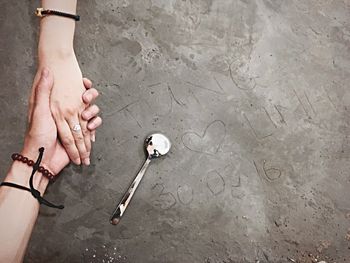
{"x": 67, "y": 107}
{"x": 66, "y": 141}
{"x": 56, "y": 110}
{"x": 70, "y": 112}
{"x": 79, "y": 138}
{"x": 85, "y": 132}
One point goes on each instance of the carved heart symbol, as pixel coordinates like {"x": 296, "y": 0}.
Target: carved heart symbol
{"x": 209, "y": 142}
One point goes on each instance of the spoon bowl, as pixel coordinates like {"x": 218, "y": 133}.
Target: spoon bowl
{"x": 157, "y": 145}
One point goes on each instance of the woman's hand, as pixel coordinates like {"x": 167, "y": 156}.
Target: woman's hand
{"x": 42, "y": 130}
{"x": 66, "y": 104}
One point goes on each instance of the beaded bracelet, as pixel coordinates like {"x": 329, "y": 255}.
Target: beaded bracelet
{"x": 35, "y": 165}
{"x": 23, "y": 159}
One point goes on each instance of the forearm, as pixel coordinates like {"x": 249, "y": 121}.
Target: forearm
{"x": 56, "y": 50}
{"x": 19, "y": 211}
{"x": 57, "y": 33}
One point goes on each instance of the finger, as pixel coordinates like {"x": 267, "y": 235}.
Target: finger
{"x": 75, "y": 126}
{"x": 87, "y": 138}
{"x": 87, "y": 83}
{"x": 90, "y": 112}
{"x": 90, "y": 95}
{"x": 94, "y": 123}
{"x": 68, "y": 142}
{"x": 43, "y": 91}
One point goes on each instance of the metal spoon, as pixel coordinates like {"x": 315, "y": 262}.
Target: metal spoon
{"x": 156, "y": 146}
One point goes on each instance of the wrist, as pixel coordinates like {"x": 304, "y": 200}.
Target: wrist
{"x": 31, "y": 151}
{"x": 56, "y": 37}
{"x": 20, "y": 174}
{"x": 52, "y": 53}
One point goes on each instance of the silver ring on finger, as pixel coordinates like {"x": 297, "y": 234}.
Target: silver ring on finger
{"x": 76, "y": 128}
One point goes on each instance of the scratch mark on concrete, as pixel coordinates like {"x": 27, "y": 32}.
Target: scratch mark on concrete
{"x": 154, "y": 84}
{"x": 238, "y": 184}
{"x": 235, "y": 82}
{"x": 253, "y": 130}
{"x": 268, "y": 115}
{"x": 250, "y": 125}
{"x": 119, "y": 110}
{"x": 219, "y": 143}
{"x": 281, "y": 115}
{"x": 217, "y": 82}
{"x": 301, "y": 103}
{"x": 132, "y": 116}
{"x": 271, "y": 169}
{"x": 330, "y": 100}
{"x": 204, "y": 88}
{"x": 181, "y": 195}
{"x": 214, "y": 188}
{"x": 256, "y": 168}
{"x": 195, "y": 97}
{"x": 311, "y": 106}
{"x": 173, "y": 96}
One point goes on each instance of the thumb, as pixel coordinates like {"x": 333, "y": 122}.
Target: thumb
{"x": 43, "y": 90}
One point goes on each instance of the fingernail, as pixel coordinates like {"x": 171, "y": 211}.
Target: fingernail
{"x": 86, "y": 115}
{"x": 88, "y": 97}
{"x": 87, "y": 161}
{"x": 77, "y": 161}
{"x": 93, "y": 138}
{"x": 45, "y": 72}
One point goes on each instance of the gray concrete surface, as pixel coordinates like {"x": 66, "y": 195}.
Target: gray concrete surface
{"x": 255, "y": 98}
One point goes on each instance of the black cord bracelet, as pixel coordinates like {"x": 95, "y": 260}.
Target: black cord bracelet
{"x": 41, "y": 12}
{"x": 34, "y": 191}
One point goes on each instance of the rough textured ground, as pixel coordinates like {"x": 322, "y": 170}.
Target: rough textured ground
{"x": 255, "y": 98}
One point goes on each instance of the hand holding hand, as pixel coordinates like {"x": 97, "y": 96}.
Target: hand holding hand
{"x": 42, "y": 130}
{"x": 67, "y": 105}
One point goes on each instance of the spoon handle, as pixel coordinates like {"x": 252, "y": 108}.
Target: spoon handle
{"x": 119, "y": 211}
